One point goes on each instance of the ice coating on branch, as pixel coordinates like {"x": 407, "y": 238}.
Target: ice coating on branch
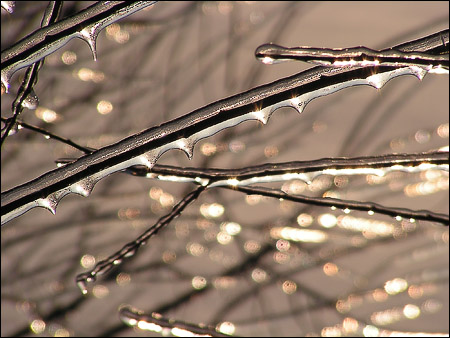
{"x": 44, "y": 40}
{"x": 85, "y": 186}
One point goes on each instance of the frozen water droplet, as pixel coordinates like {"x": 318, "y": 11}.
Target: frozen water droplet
{"x": 130, "y": 253}
{"x": 148, "y": 159}
{"x": 89, "y": 34}
{"x": 371, "y": 212}
{"x": 82, "y": 286}
{"x": 186, "y": 145}
{"x": 117, "y": 261}
{"x": 31, "y": 101}
{"x": 83, "y": 187}
{"x": 50, "y": 203}
{"x": 262, "y": 115}
{"x": 6, "y": 78}
{"x": 419, "y": 72}
{"x": 269, "y": 54}
{"x": 297, "y": 104}
{"x": 377, "y": 80}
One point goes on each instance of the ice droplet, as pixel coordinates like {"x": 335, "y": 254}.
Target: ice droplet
{"x": 83, "y": 187}
{"x": 419, "y": 72}
{"x": 6, "y": 78}
{"x": 89, "y": 34}
{"x": 262, "y": 115}
{"x": 130, "y": 253}
{"x": 378, "y": 80}
{"x": 48, "y": 203}
{"x": 31, "y": 101}
{"x": 82, "y": 286}
{"x": 148, "y": 159}
{"x": 186, "y": 145}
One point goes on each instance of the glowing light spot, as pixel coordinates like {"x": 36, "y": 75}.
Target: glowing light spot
{"x": 227, "y": 328}
{"x": 371, "y": 212}
{"x": 61, "y": 332}
{"x": 398, "y": 218}
{"x": 69, "y": 57}
{"x": 267, "y": 60}
{"x": 199, "y": 282}
{"x": 208, "y": 149}
{"x": 298, "y": 235}
{"x": 283, "y": 245}
{"x": 422, "y": 136}
{"x": 233, "y": 181}
{"x": 367, "y": 226}
{"x": 346, "y": 210}
{"x": 289, "y": 287}
{"x": 252, "y": 246}
{"x": 143, "y": 325}
{"x": 331, "y": 331}
{"x": 259, "y": 275}
{"x": 330, "y": 269}
{"x": 166, "y": 200}
{"x": 155, "y": 193}
{"x": 253, "y": 199}
{"x": 195, "y": 249}
{"x": 327, "y": 220}
{"x": 395, "y": 286}
{"x": 236, "y": 146}
{"x": 100, "y": 291}
{"x": 37, "y": 326}
{"x": 231, "y": 228}
{"x": 224, "y": 238}
{"x": 379, "y": 295}
{"x": 350, "y": 325}
{"x": 371, "y": 331}
{"x": 86, "y": 74}
{"x": 47, "y": 115}
{"x": 411, "y": 311}
{"x": 443, "y": 130}
{"x": 432, "y": 306}
{"x": 123, "y": 279}
{"x": 225, "y": 282}
{"x": 169, "y": 256}
{"x": 213, "y": 210}
{"x": 104, "y": 107}
{"x": 270, "y": 151}
{"x": 87, "y": 261}
{"x": 304, "y": 220}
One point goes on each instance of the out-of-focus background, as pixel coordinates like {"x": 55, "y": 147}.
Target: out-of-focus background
{"x": 223, "y": 262}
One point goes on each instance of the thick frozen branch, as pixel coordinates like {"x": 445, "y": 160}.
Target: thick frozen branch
{"x": 85, "y": 25}
{"x": 183, "y": 133}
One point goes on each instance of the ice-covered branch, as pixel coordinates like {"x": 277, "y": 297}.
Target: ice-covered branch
{"x": 183, "y": 133}
{"x": 157, "y": 323}
{"x": 348, "y": 205}
{"x": 85, "y": 25}
{"x": 131, "y": 248}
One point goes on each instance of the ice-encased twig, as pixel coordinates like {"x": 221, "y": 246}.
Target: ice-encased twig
{"x": 183, "y": 133}
{"x": 86, "y": 25}
{"x": 131, "y": 248}
{"x": 157, "y": 323}
{"x": 25, "y": 96}
{"x": 399, "y": 213}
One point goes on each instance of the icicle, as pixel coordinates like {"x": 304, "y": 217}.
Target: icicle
{"x": 89, "y": 34}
